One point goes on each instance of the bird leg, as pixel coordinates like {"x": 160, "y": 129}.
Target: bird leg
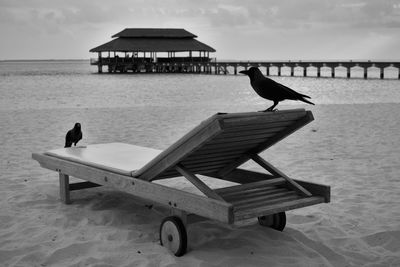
{"x": 271, "y": 108}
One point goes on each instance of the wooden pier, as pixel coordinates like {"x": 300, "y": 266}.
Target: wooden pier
{"x": 159, "y": 50}
{"x": 206, "y": 65}
{"x": 266, "y": 66}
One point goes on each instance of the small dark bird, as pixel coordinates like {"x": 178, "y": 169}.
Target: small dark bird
{"x": 271, "y": 90}
{"x": 73, "y": 136}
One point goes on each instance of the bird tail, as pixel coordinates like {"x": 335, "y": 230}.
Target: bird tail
{"x": 306, "y": 96}
{"x": 306, "y": 101}
{"x": 302, "y": 98}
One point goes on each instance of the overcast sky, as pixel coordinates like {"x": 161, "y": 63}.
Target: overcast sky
{"x": 237, "y": 29}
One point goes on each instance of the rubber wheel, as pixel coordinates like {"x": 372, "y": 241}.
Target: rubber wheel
{"x": 173, "y": 235}
{"x": 276, "y": 221}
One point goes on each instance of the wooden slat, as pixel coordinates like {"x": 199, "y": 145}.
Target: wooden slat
{"x": 265, "y": 118}
{"x": 277, "y": 207}
{"x": 258, "y": 127}
{"x": 269, "y": 202}
{"x": 207, "y": 162}
{"x": 205, "y": 153}
{"x": 240, "y": 115}
{"x": 248, "y": 201}
{"x": 203, "y": 171}
{"x": 209, "y": 159}
{"x": 198, "y": 183}
{"x": 255, "y": 192}
{"x": 225, "y": 149}
{"x": 239, "y": 138}
{"x": 269, "y": 167}
{"x": 243, "y": 176}
{"x": 205, "y": 167}
{"x": 248, "y": 186}
{"x": 241, "y": 132}
{"x": 213, "y": 145}
{"x": 197, "y": 170}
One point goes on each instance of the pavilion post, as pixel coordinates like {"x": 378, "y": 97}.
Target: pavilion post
{"x": 99, "y": 64}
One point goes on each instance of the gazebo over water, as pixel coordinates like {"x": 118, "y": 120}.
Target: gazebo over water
{"x": 151, "y": 50}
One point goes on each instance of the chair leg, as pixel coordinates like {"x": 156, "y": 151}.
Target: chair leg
{"x": 64, "y": 188}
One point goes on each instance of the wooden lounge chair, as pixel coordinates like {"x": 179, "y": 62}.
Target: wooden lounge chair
{"x": 215, "y": 148}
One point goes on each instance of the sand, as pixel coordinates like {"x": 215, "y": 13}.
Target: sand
{"x": 353, "y": 148}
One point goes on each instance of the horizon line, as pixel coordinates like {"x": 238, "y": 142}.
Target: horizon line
{"x": 227, "y": 60}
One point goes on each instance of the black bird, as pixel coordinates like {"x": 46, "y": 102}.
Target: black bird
{"x": 73, "y": 136}
{"x": 271, "y": 90}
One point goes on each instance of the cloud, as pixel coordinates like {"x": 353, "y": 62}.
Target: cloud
{"x": 221, "y": 23}
{"x": 317, "y": 13}
{"x": 218, "y": 13}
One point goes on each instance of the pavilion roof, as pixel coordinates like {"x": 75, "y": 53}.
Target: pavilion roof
{"x": 154, "y": 33}
{"x": 153, "y": 40}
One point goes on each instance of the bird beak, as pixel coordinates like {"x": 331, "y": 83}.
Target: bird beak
{"x": 245, "y": 72}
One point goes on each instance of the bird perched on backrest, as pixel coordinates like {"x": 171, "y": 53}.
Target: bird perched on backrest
{"x": 271, "y": 90}
{"x": 73, "y": 136}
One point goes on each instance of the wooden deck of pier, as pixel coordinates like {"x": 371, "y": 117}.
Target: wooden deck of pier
{"x": 212, "y": 66}
{"x": 318, "y": 65}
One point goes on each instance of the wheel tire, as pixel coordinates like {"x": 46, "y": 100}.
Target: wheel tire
{"x": 173, "y": 235}
{"x": 276, "y": 221}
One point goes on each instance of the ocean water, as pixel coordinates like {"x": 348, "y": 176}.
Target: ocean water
{"x": 41, "y": 100}
{"x": 75, "y": 84}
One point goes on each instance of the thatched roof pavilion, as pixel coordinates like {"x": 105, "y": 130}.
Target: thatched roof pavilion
{"x": 150, "y": 46}
{"x": 153, "y": 40}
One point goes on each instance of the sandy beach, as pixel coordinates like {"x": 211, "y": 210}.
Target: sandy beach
{"x": 353, "y": 148}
